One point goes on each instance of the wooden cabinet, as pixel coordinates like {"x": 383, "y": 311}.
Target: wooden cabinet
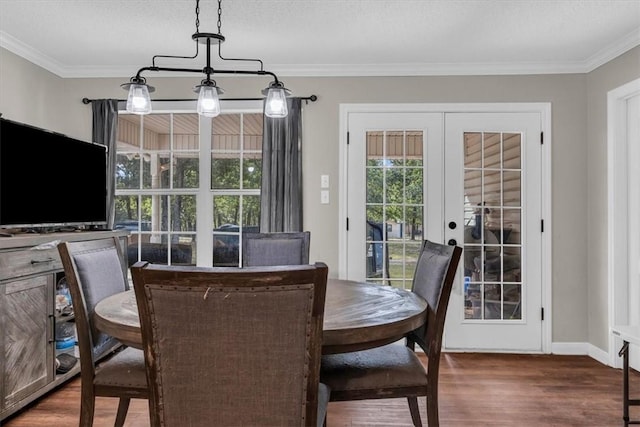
{"x": 27, "y": 321}
{"x": 29, "y": 269}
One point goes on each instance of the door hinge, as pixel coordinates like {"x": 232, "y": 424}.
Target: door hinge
{"x": 542, "y": 225}
{"x": 348, "y": 138}
{"x": 347, "y": 224}
{"x": 541, "y": 313}
{"x": 541, "y": 138}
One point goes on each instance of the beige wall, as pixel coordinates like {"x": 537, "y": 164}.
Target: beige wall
{"x": 573, "y": 320}
{"x": 30, "y": 94}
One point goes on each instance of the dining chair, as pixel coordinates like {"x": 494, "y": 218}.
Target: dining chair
{"x": 278, "y": 248}
{"x": 233, "y": 347}
{"x": 93, "y": 271}
{"x": 393, "y": 370}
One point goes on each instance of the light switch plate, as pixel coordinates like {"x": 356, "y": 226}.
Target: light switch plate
{"x": 324, "y": 181}
{"x": 324, "y": 197}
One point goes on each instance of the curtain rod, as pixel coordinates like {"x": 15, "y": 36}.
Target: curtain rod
{"x": 312, "y": 98}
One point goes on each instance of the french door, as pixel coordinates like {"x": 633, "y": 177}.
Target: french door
{"x": 472, "y": 178}
{"x": 493, "y": 180}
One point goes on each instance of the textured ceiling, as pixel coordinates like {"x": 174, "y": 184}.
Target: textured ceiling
{"x": 99, "y": 38}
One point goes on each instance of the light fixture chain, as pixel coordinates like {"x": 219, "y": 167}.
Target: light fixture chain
{"x": 197, "y": 16}
{"x": 219, "y": 16}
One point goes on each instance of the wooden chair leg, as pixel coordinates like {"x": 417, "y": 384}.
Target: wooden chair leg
{"x": 123, "y": 407}
{"x": 87, "y": 408}
{"x": 415, "y": 412}
{"x": 432, "y": 406}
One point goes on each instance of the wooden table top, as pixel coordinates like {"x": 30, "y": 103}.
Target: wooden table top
{"x": 357, "y": 316}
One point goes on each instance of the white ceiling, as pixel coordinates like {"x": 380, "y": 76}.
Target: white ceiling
{"x": 99, "y": 38}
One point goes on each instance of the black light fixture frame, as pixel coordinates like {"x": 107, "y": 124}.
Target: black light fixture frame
{"x": 207, "y": 39}
{"x": 208, "y": 70}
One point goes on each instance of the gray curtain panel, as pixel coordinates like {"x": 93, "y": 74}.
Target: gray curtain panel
{"x": 105, "y": 130}
{"x": 281, "y": 192}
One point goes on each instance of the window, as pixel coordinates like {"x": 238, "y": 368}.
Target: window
{"x": 187, "y": 187}
{"x": 236, "y": 174}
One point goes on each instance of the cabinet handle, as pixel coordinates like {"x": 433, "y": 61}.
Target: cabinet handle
{"x": 52, "y": 322}
{"x": 35, "y": 261}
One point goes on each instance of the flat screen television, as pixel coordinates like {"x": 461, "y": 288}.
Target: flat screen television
{"x": 50, "y": 180}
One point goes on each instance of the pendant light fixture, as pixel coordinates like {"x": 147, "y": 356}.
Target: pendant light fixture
{"x": 139, "y": 101}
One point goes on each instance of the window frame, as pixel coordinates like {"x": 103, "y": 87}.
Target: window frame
{"x": 204, "y": 193}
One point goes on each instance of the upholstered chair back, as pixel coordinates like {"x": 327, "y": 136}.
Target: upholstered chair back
{"x": 282, "y": 248}
{"x": 229, "y": 346}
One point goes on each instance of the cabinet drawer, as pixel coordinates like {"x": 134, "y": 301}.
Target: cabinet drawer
{"x": 28, "y": 261}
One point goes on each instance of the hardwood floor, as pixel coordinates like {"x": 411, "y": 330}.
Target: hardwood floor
{"x": 475, "y": 390}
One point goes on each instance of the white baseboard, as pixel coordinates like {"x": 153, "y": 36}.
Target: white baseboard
{"x": 581, "y": 348}
{"x": 599, "y": 354}
{"x": 570, "y": 348}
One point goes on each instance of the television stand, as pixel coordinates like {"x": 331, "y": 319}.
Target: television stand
{"x": 66, "y": 229}
{"x": 30, "y": 268}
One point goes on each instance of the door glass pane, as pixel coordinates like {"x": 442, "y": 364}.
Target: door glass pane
{"x": 492, "y": 213}
{"x": 492, "y": 301}
{"x": 413, "y": 188}
{"x": 376, "y": 251}
{"x": 472, "y": 300}
{"x": 511, "y": 151}
{"x": 396, "y": 259}
{"x": 374, "y": 184}
{"x": 511, "y": 229}
{"x": 413, "y": 228}
{"x": 411, "y": 253}
{"x": 491, "y": 150}
{"x": 414, "y": 149}
{"x": 472, "y": 150}
{"x": 394, "y": 205}
{"x": 512, "y": 188}
{"x": 394, "y": 180}
{"x": 512, "y": 299}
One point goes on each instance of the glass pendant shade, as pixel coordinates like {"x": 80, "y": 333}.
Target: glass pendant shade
{"x": 138, "y": 100}
{"x": 208, "y": 101}
{"x": 276, "y": 103}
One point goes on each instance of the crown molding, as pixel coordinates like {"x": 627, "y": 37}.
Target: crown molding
{"x": 614, "y": 50}
{"x": 30, "y": 54}
{"x": 352, "y": 70}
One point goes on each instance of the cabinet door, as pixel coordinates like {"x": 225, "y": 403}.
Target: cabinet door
{"x": 26, "y": 310}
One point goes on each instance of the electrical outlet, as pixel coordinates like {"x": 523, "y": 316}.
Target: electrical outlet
{"x": 324, "y": 181}
{"x": 324, "y": 197}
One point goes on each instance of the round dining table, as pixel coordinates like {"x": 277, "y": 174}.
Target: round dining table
{"x": 358, "y": 316}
